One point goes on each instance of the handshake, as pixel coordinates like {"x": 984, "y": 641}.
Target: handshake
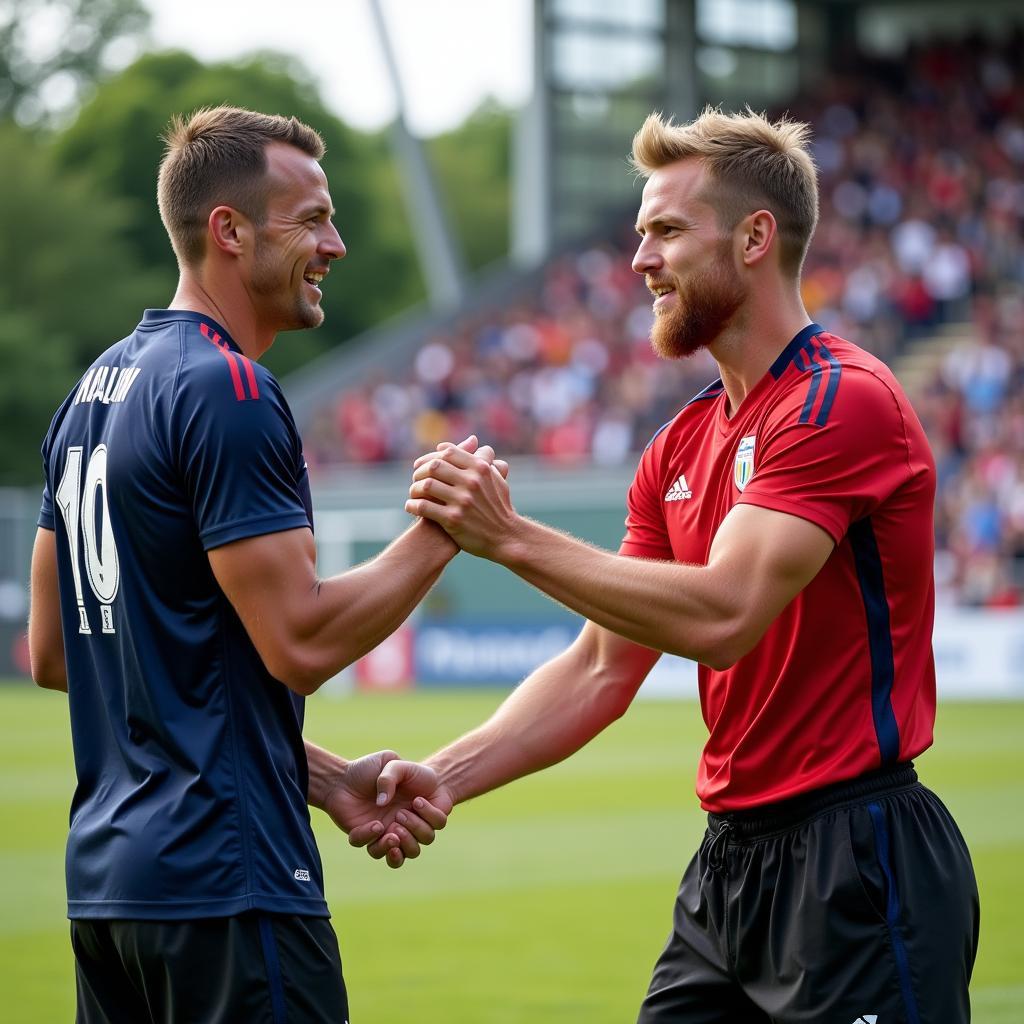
{"x": 392, "y": 807}
{"x": 389, "y": 806}
{"x": 463, "y": 489}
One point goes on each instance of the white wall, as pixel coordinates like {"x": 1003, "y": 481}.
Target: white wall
{"x": 979, "y": 654}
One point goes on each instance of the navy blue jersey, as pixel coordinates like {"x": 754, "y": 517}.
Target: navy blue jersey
{"x": 192, "y": 777}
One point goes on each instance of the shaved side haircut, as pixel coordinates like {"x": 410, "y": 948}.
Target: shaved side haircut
{"x": 752, "y": 164}
{"x": 217, "y": 156}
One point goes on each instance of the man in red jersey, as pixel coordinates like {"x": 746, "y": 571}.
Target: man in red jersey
{"x": 780, "y": 534}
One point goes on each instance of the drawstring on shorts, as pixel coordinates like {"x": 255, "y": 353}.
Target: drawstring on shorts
{"x": 717, "y": 846}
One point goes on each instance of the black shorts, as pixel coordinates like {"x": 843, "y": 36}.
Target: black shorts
{"x": 255, "y": 968}
{"x": 849, "y": 904}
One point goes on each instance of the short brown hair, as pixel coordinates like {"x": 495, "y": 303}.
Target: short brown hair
{"x": 752, "y": 163}
{"x": 217, "y": 156}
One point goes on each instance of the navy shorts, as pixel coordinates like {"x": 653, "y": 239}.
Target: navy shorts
{"x": 255, "y": 968}
{"x": 851, "y": 904}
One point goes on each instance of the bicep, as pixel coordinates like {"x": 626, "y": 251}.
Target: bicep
{"x": 269, "y": 580}
{"x": 764, "y": 558}
{"x": 45, "y": 639}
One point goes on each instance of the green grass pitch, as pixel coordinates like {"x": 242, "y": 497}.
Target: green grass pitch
{"x": 545, "y": 902}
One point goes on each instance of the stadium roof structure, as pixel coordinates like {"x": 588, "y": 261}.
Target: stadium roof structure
{"x": 599, "y": 67}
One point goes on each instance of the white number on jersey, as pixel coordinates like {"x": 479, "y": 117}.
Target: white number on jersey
{"x": 86, "y": 536}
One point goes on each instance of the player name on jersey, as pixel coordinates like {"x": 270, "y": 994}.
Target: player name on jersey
{"x": 106, "y": 384}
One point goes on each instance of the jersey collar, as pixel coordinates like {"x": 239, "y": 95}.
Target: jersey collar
{"x": 161, "y": 317}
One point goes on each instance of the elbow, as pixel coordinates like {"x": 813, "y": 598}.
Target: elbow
{"x": 732, "y": 643}
{"x": 48, "y": 673}
{"x": 720, "y": 659}
{"x": 612, "y": 688}
{"x": 296, "y": 670}
{"x": 49, "y": 682}
{"x": 618, "y": 696}
{"x": 721, "y": 644}
{"x": 618, "y": 705}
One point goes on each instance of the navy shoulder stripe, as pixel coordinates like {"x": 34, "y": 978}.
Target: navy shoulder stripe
{"x": 788, "y": 354}
{"x": 814, "y": 358}
{"x": 834, "y": 373}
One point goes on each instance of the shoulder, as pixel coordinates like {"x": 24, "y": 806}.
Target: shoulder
{"x": 221, "y": 393}
{"x": 210, "y": 363}
{"x": 220, "y": 384}
{"x": 831, "y": 382}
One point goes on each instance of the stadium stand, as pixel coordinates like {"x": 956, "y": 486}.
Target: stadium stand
{"x": 919, "y": 256}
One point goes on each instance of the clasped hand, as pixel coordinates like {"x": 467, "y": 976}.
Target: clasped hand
{"x": 390, "y": 806}
{"x": 466, "y": 493}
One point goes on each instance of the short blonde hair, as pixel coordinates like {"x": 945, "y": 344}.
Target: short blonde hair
{"x": 218, "y": 156}
{"x": 752, "y": 164}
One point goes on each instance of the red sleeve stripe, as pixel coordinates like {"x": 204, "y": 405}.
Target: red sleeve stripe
{"x": 232, "y": 361}
{"x": 250, "y": 376}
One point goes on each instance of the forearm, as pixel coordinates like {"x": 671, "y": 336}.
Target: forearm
{"x": 326, "y": 772}
{"x": 557, "y": 710}
{"x": 308, "y": 629}
{"x": 358, "y": 609}
{"x": 668, "y": 606}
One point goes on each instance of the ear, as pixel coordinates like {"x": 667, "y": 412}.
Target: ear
{"x": 230, "y": 231}
{"x": 757, "y": 232}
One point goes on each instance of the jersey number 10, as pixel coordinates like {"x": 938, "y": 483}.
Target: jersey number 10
{"x": 86, "y": 535}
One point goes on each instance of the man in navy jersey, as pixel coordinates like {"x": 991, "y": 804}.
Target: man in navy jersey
{"x": 175, "y": 599}
{"x": 779, "y": 532}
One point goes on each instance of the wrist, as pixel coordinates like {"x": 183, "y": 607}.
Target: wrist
{"x": 448, "y": 777}
{"x": 326, "y": 774}
{"x": 438, "y": 539}
{"x": 513, "y": 548}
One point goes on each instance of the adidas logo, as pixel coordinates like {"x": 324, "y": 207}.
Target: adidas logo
{"x": 679, "y": 490}
{"x": 867, "y": 1018}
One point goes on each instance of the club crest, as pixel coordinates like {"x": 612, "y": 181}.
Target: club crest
{"x": 743, "y": 468}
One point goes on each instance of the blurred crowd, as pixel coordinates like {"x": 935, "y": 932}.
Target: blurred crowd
{"x": 921, "y": 164}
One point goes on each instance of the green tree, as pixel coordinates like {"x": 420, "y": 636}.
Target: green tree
{"x": 69, "y": 287}
{"x": 117, "y": 137}
{"x": 472, "y": 168}
{"x": 53, "y": 51}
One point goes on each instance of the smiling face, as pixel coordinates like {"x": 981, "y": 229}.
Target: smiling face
{"x": 686, "y": 258}
{"x": 296, "y": 242}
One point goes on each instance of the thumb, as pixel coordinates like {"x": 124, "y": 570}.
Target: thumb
{"x": 417, "y": 780}
{"x": 388, "y": 782}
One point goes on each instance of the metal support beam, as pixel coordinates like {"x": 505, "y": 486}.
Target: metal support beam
{"x": 531, "y": 160}
{"x": 439, "y": 253}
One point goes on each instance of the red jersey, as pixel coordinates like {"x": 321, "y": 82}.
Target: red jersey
{"x": 843, "y": 681}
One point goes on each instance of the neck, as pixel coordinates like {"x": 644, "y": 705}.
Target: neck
{"x": 229, "y": 305}
{"x": 753, "y": 340}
